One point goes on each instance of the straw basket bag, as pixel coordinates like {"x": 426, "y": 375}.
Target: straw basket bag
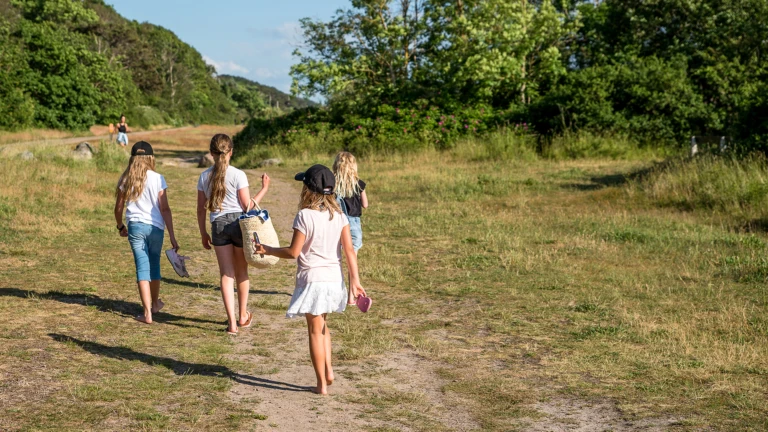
{"x": 256, "y": 220}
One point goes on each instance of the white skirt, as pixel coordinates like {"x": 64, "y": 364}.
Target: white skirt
{"x": 317, "y": 298}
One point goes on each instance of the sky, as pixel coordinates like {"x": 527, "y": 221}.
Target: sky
{"x": 250, "y": 38}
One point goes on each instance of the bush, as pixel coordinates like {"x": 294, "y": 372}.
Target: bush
{"x": 388, "y": 129}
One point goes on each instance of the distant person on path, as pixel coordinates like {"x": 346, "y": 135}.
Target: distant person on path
{"x": 320, "y": 229}
{"x": 143, "y": 192}
{"x": 350, "y": 193}
{"x": 223, "y": 190}
{"x": 122, "y": 132}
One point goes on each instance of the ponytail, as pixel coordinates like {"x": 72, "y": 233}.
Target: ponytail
{"x": 221, "y": 144}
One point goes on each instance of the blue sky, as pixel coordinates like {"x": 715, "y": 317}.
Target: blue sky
{"x": 250, "y": 38}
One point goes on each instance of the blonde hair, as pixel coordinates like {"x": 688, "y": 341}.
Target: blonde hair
{"x": 345, "y": 170}
{"x": 317, "y": 201}
{"x": 221, "y": 144}
{"x": 131, "y": 183}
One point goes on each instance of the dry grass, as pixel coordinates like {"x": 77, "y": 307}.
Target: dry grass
{"x": 35, "y": 135}
{"x": 526, "y": 281}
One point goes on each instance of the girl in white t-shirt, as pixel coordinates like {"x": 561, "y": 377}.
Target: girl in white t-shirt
{"x": 223, "y": 190}
{"x": 147, "y": 215}
{"x": 320, "y": 229}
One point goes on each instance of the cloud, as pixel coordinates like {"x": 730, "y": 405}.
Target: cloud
{"x": 225, "y": 66}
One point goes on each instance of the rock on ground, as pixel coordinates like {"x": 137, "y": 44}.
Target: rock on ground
{"x": 83, "y": 151}
{"x": 206, "y": 161}
{"x": 27, "y": 156}
{"x": 270, "y": 162}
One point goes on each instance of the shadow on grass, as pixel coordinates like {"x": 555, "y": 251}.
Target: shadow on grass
{"x": 614, "y": 180}
{"x": 216, "y": 288}
{"x": 178, "y": 367}
{"x": 120, "y": 307}
{"x": 188, "y": 284}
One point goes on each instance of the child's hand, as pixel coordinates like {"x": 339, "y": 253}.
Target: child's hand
{"x": 206, "y": 240}
{"x": 259, "y": 248}
{"x": 264, "y": 181}
{"x": 357, "y": 289}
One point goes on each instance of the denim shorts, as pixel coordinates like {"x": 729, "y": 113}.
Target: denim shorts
{"x": 356, "y": 229}
{"x": 225, "y": 230}
{"x": 146, "y": 243}
{"x": 122, "y": 137}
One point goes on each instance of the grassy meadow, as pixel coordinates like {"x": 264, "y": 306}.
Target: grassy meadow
{"x": 620, "y": 280}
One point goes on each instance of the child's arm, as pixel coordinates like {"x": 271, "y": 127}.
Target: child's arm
{"x": 201, "y": 210}
{"x": 264, "y": 188}
{"x": 364, "y": 199}
{"x": 119, "y": 207}
{"x": 349, "y": 252}
{"x": 165, "y": 210}
{"x": 290, "y": 252}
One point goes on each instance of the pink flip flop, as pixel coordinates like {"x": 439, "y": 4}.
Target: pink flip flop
{"x": 364, "y": 303}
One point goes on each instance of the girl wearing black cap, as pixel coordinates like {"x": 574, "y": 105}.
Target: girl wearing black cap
{"x": 143, "y": 191}
{"x": 320, "y": 229}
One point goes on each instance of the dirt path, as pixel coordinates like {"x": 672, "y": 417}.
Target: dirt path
{"x": 276, "y": 348}
{"x": 77, "y": 140}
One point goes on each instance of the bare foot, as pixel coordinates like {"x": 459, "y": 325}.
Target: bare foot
{"x": 142, "y": 318}
{"x": 320, "y": 390}
{"x": 329, "y": 377}
{"x": 158, "y": 306}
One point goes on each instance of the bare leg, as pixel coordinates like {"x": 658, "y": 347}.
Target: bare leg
{"x": 329, "y": 377}
{"x": 157, "y": 304}
{"x": 243, "y": 283}
{"x": 146, "y": 300}
{"x": 351, "y": 300}
{"x": 227, "y": 272}
{"x": 316, "y": 327}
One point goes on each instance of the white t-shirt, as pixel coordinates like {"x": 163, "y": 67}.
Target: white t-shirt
{"x": 320, "y": 258}
{"x": 147, "y": 208}
{"x": 234, "y": 181}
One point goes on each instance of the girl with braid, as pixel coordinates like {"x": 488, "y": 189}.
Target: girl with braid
{"x": 223, "y": 191}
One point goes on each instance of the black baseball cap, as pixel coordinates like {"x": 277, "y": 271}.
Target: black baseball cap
{"x": 142, "y": 148}
{"x": 318, "y": 178}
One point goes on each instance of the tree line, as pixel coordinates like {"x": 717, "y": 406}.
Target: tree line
{"x": 70, "y": 64}
{"x": 656, "y": 71}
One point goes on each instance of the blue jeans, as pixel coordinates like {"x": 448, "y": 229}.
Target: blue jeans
{"x": 146, "y": 243}
{"x": 356, "y": 229}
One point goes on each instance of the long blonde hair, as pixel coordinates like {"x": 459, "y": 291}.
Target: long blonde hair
{"x": 345, "y": 170}
{"x": 221, "y": 144}
{"x": 131, "y": 183}
{"x": 317, "y": 201}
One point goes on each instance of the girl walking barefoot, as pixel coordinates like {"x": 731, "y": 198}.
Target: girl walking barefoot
{"x": 148, "y": 214}
{"x": 320, "y": 229}
{"x": 350, "y": 192}
{"x": 223, "y": 190}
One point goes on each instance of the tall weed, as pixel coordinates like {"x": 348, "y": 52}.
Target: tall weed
{"x": 735, "y": 186}
{"x": 110, "y": 157}
{"x": 582, "y": 144}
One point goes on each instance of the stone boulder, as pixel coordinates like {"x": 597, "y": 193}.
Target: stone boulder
{"x": 83, "y": 151}
{"x": 206, "y": 161}
{"x": 270, "y": 162}
{"x": 27, "y": 156}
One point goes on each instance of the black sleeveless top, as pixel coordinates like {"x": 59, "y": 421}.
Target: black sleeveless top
{"x": 121, "y": 128}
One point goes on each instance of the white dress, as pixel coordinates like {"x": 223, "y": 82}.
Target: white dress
{"x": 319, "y": 276}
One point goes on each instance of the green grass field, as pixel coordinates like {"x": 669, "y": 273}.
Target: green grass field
{"x": 510, "y": 294}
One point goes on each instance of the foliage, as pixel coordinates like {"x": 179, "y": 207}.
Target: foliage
{"x": 69, "y": 64}
{"x": 655, "y": 72}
